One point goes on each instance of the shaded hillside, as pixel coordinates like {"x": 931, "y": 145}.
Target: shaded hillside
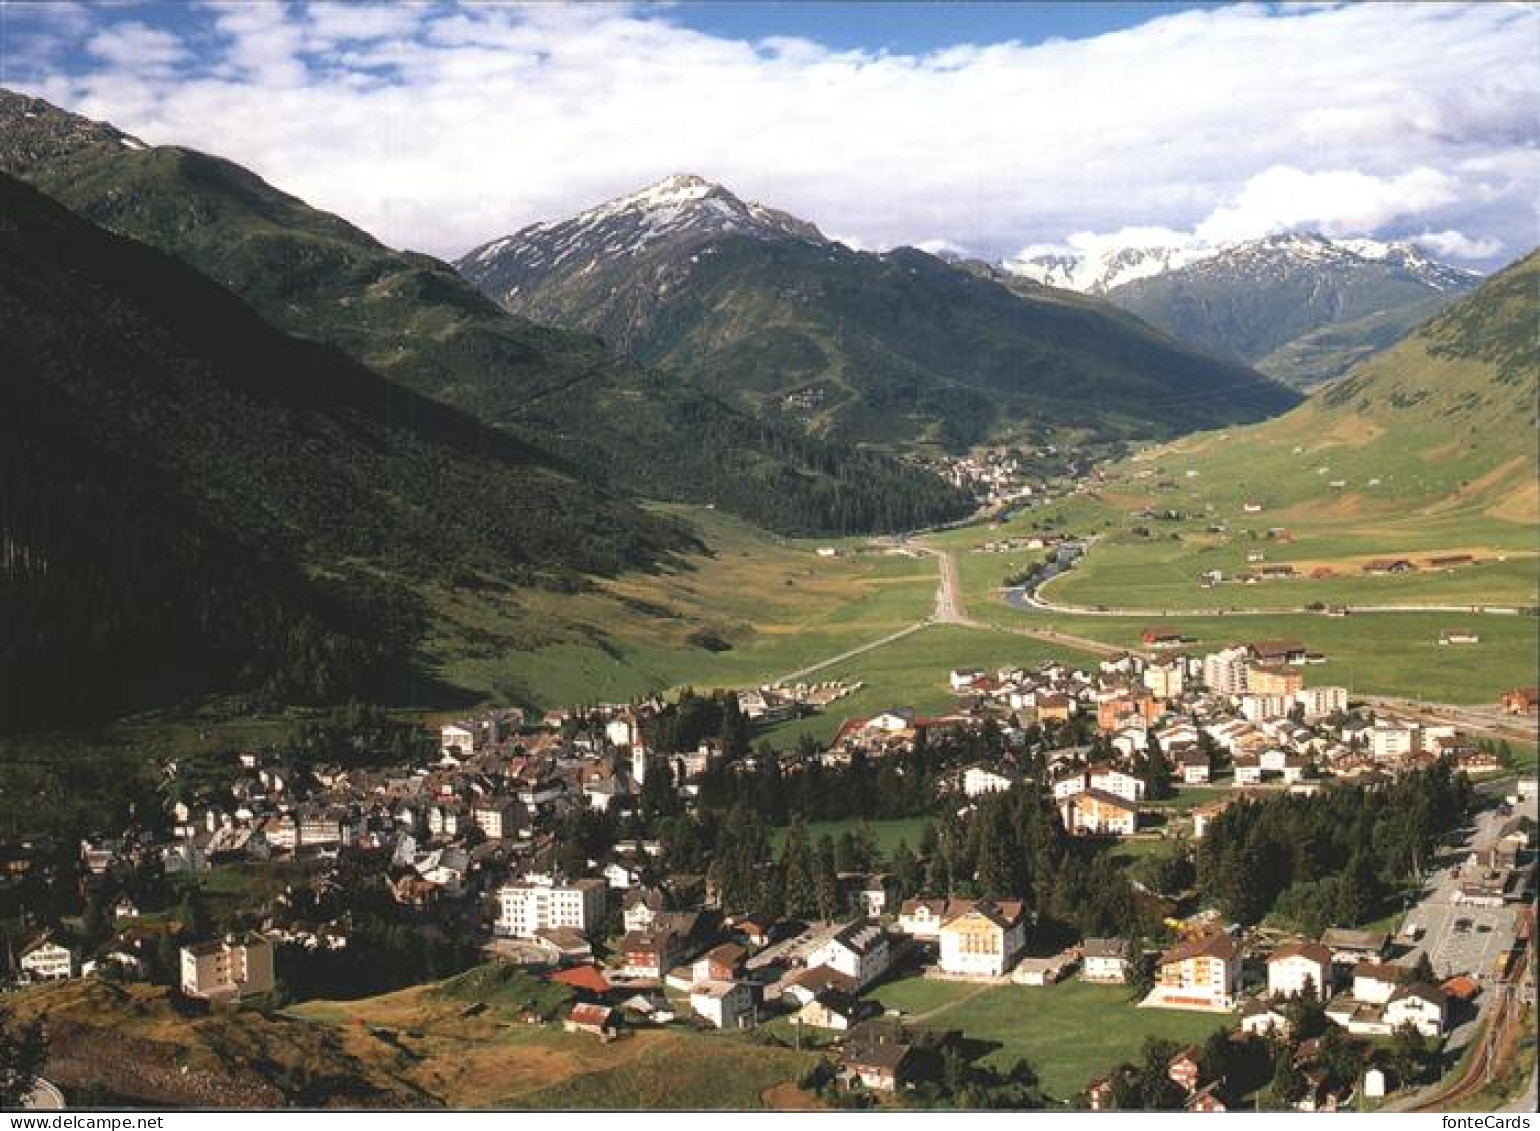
{"x": 190, "y": 500}
{"x": 891, "y": 349}
{"x": 413, "y": 319}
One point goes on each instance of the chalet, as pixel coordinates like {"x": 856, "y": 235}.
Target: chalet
{"x": 1277, "y": 652}
{"x": 1098, "y": 813}
{"x": 1376, "y": 982}
{"x": 984, "y": 940}
{"x": 722, "y": 963}
{"x": 1349, "y": 947}
{"x": 1202, "y": 973}
{"x": 1119, "y": 783}
{"x": 1055, "y": 708}
{"x": 1248, "y": 769}
{"x": 808, "y": 984}
{"x": 724, "y": 1005}
{"x": 641, "y": 906}
{"x": 858, "y": 949}
{"x": 922, "y": 918}
{"x": 756, "y": 930}
{"x": 1047, "y": 971}
{"x": 47, "y": 961}
{"x": 1419, "y": 1005}
{"x": 598, "y": 1020}
{"x": 832, "y": 1009}
{"x": 1105, "y": 960}
{"x": 1195, "y": 767}
{"x": 1261, "y": 1019}
{"x": 1184, "y": 1070}
{"x": 1298, "y": 968}
{"x": 648, "y": 953}
{"x": 880, "y": 1064}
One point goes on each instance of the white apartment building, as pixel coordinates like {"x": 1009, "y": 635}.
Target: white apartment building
{"x": 233, "y": 967}
{"x": 1319, "y": 702}
{"x": 1390, "y": 740}
{"x": 525, "y": 909}
{"x": 1224, "y": 672}
{"x": 1165, "y": 681}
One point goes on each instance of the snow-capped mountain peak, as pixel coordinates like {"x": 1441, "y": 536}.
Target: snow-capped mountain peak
{"x": 681, "y": 206}
{"x": 1103, "y": 271}
{"x": 1099, "y": 272}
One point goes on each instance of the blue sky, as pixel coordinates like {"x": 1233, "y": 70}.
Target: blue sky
{"x": 910, "y": 28}
{"x": 996, "y": 129}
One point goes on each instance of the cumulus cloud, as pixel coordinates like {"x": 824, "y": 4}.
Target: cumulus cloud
{"x": 150, "y": 51}
{"x": 1457, "y": 245}
{"x": 440, "y": 126}
{"x": 1335, "y": 202}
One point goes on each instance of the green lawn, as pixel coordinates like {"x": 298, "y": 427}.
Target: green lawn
{"x": 886, "y": 833}
{"x": 1070, "y": 1032}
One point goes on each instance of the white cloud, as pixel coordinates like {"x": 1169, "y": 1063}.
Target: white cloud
{"x": 1335, "y": 202}
{"x": 136, "y": 46}
{"x": 945, "y": 248}
{"x": 1457, "y": 245}
{"x": 441, "y": 127}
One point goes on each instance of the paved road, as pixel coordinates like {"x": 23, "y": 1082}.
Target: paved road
{"x": 1024, "y": 598}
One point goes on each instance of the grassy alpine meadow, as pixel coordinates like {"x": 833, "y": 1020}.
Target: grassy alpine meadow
{"x": 752, "y": 608}
{"x": 1394, "y": 654}
{"x": 1070, "y": 1032}
{"x": 912, "y": 672}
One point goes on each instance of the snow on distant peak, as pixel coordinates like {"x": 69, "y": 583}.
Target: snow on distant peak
{"x": 1097, "y": 270}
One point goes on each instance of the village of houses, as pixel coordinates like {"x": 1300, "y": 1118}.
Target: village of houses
{"x": 472, "y": 828}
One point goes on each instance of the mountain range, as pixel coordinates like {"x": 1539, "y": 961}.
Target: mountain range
{"x": 192, "y": 500}
{"x": 1441, "y": 427}
{"x": 895, "y": 349}
{"x": 411, "y": 318}
{"x": 1300, "y": 307}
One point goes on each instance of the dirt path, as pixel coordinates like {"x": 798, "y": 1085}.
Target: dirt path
{"x": 850, "y": 654}
{"x": 936, "y": 1010}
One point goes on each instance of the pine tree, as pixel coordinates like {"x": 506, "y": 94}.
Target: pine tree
{"x": 23, "y": 1050}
